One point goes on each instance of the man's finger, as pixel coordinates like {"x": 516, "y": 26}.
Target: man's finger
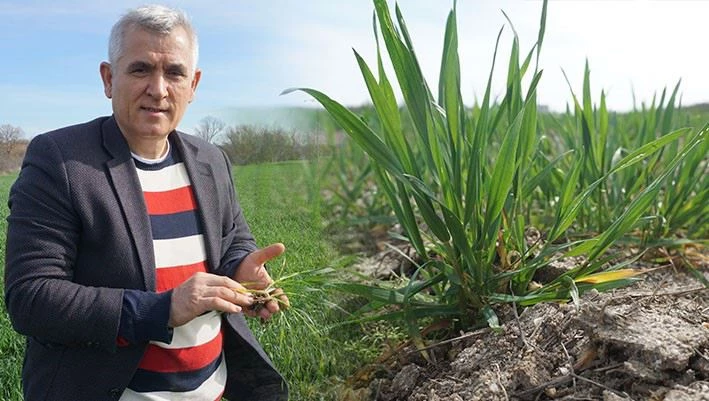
{"x": 263, "y": 255}
{"x": 236, "y": 296}
{"x": 222, "y": 305}
{"x": 265, "y": 312}
{"x": 272, "y": 307}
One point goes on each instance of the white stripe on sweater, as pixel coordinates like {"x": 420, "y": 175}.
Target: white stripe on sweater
{"x": 198, "y": 331}
{"x": 166, "y": 179}
{"x": 179, "y": 251}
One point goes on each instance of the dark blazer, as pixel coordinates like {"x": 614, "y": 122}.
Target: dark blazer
{"x": 79, "y": 234}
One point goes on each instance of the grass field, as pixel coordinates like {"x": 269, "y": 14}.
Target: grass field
{"x": 274, "y": 198}
{"x": 274, "y": 201}
{"x": 11, "y": 344}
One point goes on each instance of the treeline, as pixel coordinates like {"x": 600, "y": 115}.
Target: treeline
{"x": 251, "y": 144}
{"x": 255, "y": 143}
{"x": 12, "y": 147}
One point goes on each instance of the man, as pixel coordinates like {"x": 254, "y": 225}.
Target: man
{"x": 128, "y": 257}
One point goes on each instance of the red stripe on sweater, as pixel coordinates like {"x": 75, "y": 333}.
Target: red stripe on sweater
{"x": 168, "y": 278}
{"x": 167, "y": 202}
{"x": 167, "y": 360}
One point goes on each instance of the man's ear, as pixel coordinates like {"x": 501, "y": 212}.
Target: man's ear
{"x": 107, "y": 78}
{"x": 195, "y": 82}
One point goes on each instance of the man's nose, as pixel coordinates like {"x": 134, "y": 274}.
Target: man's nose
{"x": 157, "y": 86}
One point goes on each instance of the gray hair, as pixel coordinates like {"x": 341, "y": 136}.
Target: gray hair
{"x": 152, "y": 18}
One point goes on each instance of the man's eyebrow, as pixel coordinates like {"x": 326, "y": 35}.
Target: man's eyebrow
{"x": 177, "y": 67}
{"x": 140, "y": 65}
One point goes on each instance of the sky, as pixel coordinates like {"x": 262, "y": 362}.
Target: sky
{"x": 250, "y": 51}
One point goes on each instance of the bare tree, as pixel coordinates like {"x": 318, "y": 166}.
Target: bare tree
{"x": 10, "y": 147}
{"x": 209, "y": 128}
{"x": 9, "y": 138}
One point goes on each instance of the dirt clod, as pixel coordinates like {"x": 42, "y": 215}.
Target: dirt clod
{"x": 697, "y": 391}
{"x": 648, "y": 341}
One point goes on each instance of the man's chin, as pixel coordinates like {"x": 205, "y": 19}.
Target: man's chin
{"x": 156, "y": 131}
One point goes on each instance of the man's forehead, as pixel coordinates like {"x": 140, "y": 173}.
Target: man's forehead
{"x": 150, "y": 47}
{"x": 154, "y": 58}
{"x": 178, "y": 39}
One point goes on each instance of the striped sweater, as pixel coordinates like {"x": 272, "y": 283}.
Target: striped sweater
{"x": 191, "y": 366}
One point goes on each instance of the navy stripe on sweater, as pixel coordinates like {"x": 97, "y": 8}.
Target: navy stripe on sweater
{"x": 176, "y": 225}
{"x": 145, "y": 381}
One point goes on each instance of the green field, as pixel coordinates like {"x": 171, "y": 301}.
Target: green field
{"x": 11, "y": 344}
{"x": 274, "y": 201}
{"x": 313, "y": 359}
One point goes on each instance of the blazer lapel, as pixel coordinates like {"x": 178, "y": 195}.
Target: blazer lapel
{"x": 127, "y": 188}
{"x": 205, "y": 192}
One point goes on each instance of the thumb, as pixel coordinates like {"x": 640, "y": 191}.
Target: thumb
{"x": 263, "y": 255}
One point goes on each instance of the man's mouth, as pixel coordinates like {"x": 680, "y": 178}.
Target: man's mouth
{"x": 153, "y": 109}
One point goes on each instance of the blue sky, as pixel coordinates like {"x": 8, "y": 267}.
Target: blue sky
{"x": 252, "y": 50}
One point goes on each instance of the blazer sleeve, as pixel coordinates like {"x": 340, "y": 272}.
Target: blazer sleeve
{"x": 44, "y": 231}
{"x": 237, "y": 242}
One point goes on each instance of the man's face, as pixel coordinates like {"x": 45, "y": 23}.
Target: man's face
{"x": 151, "y": 83}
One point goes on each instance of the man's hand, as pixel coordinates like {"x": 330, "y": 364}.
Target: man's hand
{"x": 252, "y": 274}
{"x": 206, "y": 292}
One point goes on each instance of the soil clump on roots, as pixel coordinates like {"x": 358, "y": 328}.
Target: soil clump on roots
{"x": 647, "y": 341}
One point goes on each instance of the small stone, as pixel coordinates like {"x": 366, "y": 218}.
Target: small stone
{"x": 550, "y": 392}
{"x": 405, "y": 381}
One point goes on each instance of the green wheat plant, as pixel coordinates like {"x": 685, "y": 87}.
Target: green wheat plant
{"x": 355, "y": 198}
{"x": 681, "y": 209}
{"x": 464, "y": 184}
